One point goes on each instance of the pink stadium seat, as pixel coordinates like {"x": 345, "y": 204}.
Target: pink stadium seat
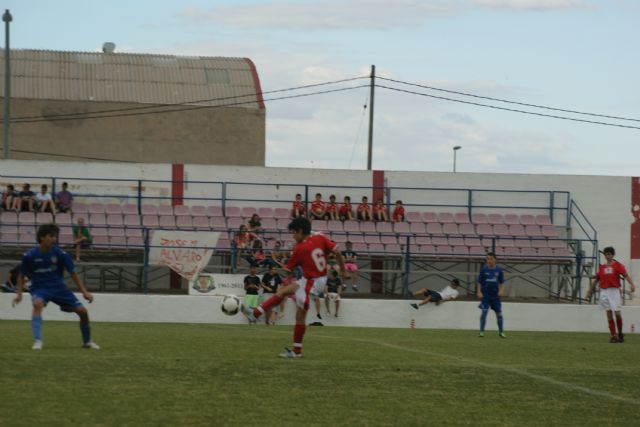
{"x": 26, "y": 218}
{"x": 388, "y": 239}
{"x": 333, "y": 225}
{"x": 223, "y": 245}
{"x": 511, "y": 252}
{"x": 351, "y": 226}
{"x": 393, "y": 248}
{"x": 215, "y": 211}
{"x": 184, "y": 222}
{"x": 401, "y": 227}
{"x": 115, "y": 220}
{"x": 523, "y": 243}
{"x": 429, "y": 217}
{"x": 461, "y": 218}
{"x": 66, "y": 229}
{"x": 63, "y": 218}
{"x": 148, "y": 209}
{"x": 27, "y": 229}
{"x": 368, "y": 227}
{"x": 376, "y": 247}
{"x": 269, "y": 223}
{"x": 479, "y": 218}
{"x": 165, "y": 210}
{"x": 44, "y": 218}
{"x": 417, "y": 228}
{"x": 116, "y": 232}
{"x": 423, "y": 240}
{"x": 501, "y": 230}
{"x": 472, "y": 241}
{"x": 511, "y": 219}
{"x": 545, "y": 253}
{"x": 372, "y": 239}
{"x": 96, "y": 208}
{"x": 528, "y": 253}
{"x": 484, "y": 229}
{"x": 319, "y": 225}
{"x": 118, "y": 242}
{"x": 202, "y": 222}
{"x": 543, "y": 220}
{"x": 495, "y": 218}
{"x": 100, "y": 242}
{"x": 539, "y": 243}
{"x": 456, "y": 241}
{"x": 9, "y": 228}
{"x": 451, "y": 229}
{"x": 427, "y": 250}
{"x": 65, "y": 239}
{"x": 135, "y": 242}
{"x": 283, "y": 223}
{"x": 562, "y": 253}
{"x": 413, "y": 216}
{"x": 265, "y": 212}
{"x": 477, "y": 251}
{"x": 467, "y": 229}
{"x": 234, "y": 222}
{"x": 283, "y": 213}
{"x": 132, "y": 220}
{"x": 444, "y": 250}
{"x": 233, "y": 211}
{"x": 517, "y": 230}
{"x": 556, "y": 243}
{"x": 460, "y": 251}
{"x": 80, "y": 208}
{"x": 134, "y": 232}
{"x": 128, "y": 209}
{"x": 9, "y": 239}
{"x": 181, "y": 210}
{"x": 445, "y": 217}
{"x": 360, "y": 247}
{"x": 549, "y": 231}
{"x": 167, "y": 222}
{"x": 26, "y": 239}
{"x": 339, "y": 237}
{"x": 384, "y": 227}
{"x": 356, "y": 238}
{"x": 113, "y": 208}
{"x": 440, "y": 241}
{"x": 9, "y": 218}
{"x": 533, "y": 230}
{"x": 434, "y": 228}
{"x": 506, "y": 242}
{"x": 248, "y": 211}
{"x": 150, "y": 221}
{"x": 97, "y": 219}
{"x": 198, "y": 210}
{"x": 527, "y": 220}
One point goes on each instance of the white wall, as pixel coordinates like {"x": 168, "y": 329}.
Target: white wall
{"x": 353, "y": 312}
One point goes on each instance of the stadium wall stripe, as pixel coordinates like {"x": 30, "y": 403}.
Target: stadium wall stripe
{"x": 377, "y": 263}
{"x": 177, "y": 184}
{"x": 378, "y": 186}
{"x": 635, "y": 211}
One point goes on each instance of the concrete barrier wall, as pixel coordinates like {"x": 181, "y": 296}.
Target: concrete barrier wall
{"x": 353, "y": 312}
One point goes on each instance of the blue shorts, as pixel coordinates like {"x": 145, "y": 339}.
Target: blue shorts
{"x": 435, "y": 296}
{"x": 491, "y": 303}
{"x": 61, "y": 296}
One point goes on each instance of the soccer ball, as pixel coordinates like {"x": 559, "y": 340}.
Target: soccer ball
{"x": 230, "y": 305}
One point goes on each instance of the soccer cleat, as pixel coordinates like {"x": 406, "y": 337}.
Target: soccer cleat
{"x": 289, "y": 354}
{"x": 613, "y": 339}
{"x": 319, "y": 316}
{"x": 91, "y": 345}
{"x": 414, "y": 306}
{"x": 481, "y": 335}
{"x": 621, "y": 338}
{"x": 502, "y": 335}
{"x": 355, "y": 288}
{"x": 248, "y": 312}
{"x": 37, "y": 345}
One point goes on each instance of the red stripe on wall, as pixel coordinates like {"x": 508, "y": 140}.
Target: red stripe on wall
{"x": 177, "y": 184}
{"x": 256, "y": 83}
{"x": 377, "y": 263}
{"x": 378, "y": 186}
{"x": 635, "y": 211}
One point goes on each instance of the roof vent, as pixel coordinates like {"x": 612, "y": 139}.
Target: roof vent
{"x": 108, "y": 47}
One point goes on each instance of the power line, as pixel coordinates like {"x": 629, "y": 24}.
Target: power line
{"x": 146, "y": 107}
{"x": 508, "y": 109}
{"x": 72, "y": 156}
{"x": 510, "y": 102}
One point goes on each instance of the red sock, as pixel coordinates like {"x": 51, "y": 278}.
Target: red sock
{"x": 298, "y": 335}
{"x": 612, "y": 327}
{"x": 619, "y": 322}
{"x": 271, "y": 302}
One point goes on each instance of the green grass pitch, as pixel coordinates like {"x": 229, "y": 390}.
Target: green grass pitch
{"x": 210, "y": 375}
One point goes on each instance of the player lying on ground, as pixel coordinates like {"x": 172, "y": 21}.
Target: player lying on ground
{"x": 448, "y": 293}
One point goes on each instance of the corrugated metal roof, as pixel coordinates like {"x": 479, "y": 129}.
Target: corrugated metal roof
{"x": 128, "y": 77}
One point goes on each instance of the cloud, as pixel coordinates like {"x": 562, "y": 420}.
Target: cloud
{"x": 322, "y": 15}
{"x": 530, "y": 5}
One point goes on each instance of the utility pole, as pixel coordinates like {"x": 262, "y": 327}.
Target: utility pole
{"x": 371, "y": 104}
{"x": 7, "y": 18}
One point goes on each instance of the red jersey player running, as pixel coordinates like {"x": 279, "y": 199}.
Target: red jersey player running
{"x": 310, "y": 254}
{"x": 609, "y": 277}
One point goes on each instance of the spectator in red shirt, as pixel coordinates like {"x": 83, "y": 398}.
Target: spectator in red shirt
{"x": 609, "y": 275}
{"x": 318, "y": 208}
{"x": 364, "y": 210}
{"x": 243, "y": 242}
{"x": 332, "y": 208}
{"x": 298, "y": 208}
{"x": 346, "y": 211}
{"x": 398, "y": 212}
{"x": 380, "y": 211}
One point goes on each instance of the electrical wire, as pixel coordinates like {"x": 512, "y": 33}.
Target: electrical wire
{"x": 355, "y": 141}
{"x": 510, "y": 102}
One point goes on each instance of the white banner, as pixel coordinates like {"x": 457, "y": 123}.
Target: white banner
{"x": 218, "y": 284}
{"x": 185, "y": 252}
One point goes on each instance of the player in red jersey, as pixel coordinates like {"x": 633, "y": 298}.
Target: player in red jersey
{"x": 398, "y": 212}
{"x": 298, "y": 207}
{"x": 609, "y": 277}
{"x": 318, "y": 208}
{"x": 310, "y": 254}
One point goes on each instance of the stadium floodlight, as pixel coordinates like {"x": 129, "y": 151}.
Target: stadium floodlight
{"x": 455, "y": 151}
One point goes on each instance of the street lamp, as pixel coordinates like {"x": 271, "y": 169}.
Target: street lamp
{"x": 7, "y": 83}
{"x": 455, "y": 151}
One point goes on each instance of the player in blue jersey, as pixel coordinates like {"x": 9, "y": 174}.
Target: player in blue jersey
{"x": 489, "y": 288}
{"x": 45, "y": 264}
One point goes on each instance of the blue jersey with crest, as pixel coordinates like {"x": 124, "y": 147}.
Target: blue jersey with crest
{"x": 46, "y": 269}
{"x": 490, "y": 280}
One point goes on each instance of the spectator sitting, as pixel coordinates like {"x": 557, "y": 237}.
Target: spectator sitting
{"x": 9, "y": 197}
{"x": 298, "y": 208}
{"x": 346, "y": 211}
{"x": 11, "y": 283}
{"x": 44, "y": 201}
{"x": 254, "y": 225}
{"x": 364, "y": 210}
{"x": 242, "y": 242}
{"x": 318, "y": 208}
{"x": 64, "y": 199}
{"x": 380, "y": 211}
{"x": 257, "y": 257}
{"x": 25, "y": 199}
{"x": 279, "y": 254}
{"x": 332, "y": 208}
{"x": 398, "y": 212}
{"x": 81, "y": 237}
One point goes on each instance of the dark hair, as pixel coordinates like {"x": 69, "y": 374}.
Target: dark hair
{"x": 64, "y": 184}
{"x": 333, "y": 272}
{"x": 333, "y": 196}
{"x": 44, "y": 186}
{"x": 300, "y": 224}
{"x": 257, "y": 244}
{"x": 318, "y": 194}
{"x": 399, "y": 201}
{"x": 609, "y": 250}
{"x": 348, "y": 243}
{"x": 46, "y": 230}
{"x": 493, "y": 254}
{"x": 455, "y": 282}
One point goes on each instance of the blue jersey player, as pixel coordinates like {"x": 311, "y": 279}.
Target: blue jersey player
{"x": 45, "y": 264}
{"x": 489, "y": 288}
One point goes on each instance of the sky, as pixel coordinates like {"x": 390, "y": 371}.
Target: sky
{"x": 579, "y": 55}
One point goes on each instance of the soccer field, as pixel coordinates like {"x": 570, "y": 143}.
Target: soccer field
{"x": 204, "y": 374}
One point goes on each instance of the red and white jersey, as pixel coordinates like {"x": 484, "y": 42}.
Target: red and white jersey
{"x": 609, "y": 275}
{"x": 317, "y": 206}
{"x": 311, "y": 255}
